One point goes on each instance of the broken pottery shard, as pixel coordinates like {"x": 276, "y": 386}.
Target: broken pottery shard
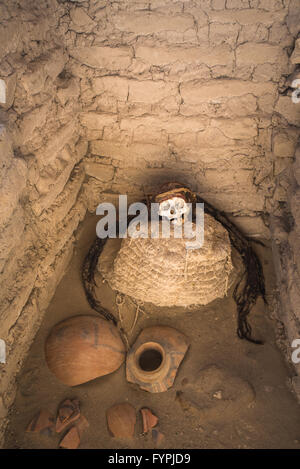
{"x": 154, "y": 359}
{"x": 216, "y": 394}
{"x": 71, "y": 440}
{"x": 121, "y": 420}
{"x": 149, "y": 419}
{"x": 42, "y": 423}
{"x": 68, "y": 412}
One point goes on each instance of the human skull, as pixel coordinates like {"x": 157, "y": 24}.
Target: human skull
{"x": 174, "y": 209}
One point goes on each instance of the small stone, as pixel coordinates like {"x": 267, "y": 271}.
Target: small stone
{"x": 71, "y": 440}
{"x": 218, "y": 395}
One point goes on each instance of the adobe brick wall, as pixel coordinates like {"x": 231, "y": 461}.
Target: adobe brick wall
{"x": 285, "y": 214}
{"x": 41, "y": 174}
{"x": 187, "y": 90}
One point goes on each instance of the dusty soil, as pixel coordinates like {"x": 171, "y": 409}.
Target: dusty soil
{"x": 251, "y": 380}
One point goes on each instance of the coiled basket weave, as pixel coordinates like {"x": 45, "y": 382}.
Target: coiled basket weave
{"x": 163, "y": 272}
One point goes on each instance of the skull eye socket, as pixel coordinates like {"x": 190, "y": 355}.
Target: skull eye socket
{"x": 165, "y": 206}
{"x": 179, "y": 204}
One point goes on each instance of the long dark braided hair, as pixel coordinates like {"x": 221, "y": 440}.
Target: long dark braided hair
{"x": 248, "y": 289}
{"x": 252, "y": 283}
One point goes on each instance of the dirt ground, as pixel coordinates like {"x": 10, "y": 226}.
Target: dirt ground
{"x": 243, "y": 396}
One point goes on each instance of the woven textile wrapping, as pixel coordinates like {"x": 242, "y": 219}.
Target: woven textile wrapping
{"x": 163, "y": 272}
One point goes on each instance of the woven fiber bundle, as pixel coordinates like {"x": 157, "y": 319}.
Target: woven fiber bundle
{"x": 163, "y": 272}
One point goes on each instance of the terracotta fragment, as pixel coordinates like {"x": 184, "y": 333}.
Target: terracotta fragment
{"x": 149, "y": 419}
{"x": 83, "y": 348}
{"x": 121, "y": 420}
{"x": 42, "y": 423}
{"x": 71, "y": 440}
{"x": 68, "y": 412}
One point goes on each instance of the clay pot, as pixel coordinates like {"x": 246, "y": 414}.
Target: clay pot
{"x": 83, "y": 348}
{"x": 154, "y": 359}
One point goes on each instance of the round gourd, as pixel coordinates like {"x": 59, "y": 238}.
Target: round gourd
{"x": 83, "y": 348}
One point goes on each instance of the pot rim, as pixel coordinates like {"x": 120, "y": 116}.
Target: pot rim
{"x": 149, "y": 346}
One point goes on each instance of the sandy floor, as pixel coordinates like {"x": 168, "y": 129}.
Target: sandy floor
{"x": 269, "y": 417}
